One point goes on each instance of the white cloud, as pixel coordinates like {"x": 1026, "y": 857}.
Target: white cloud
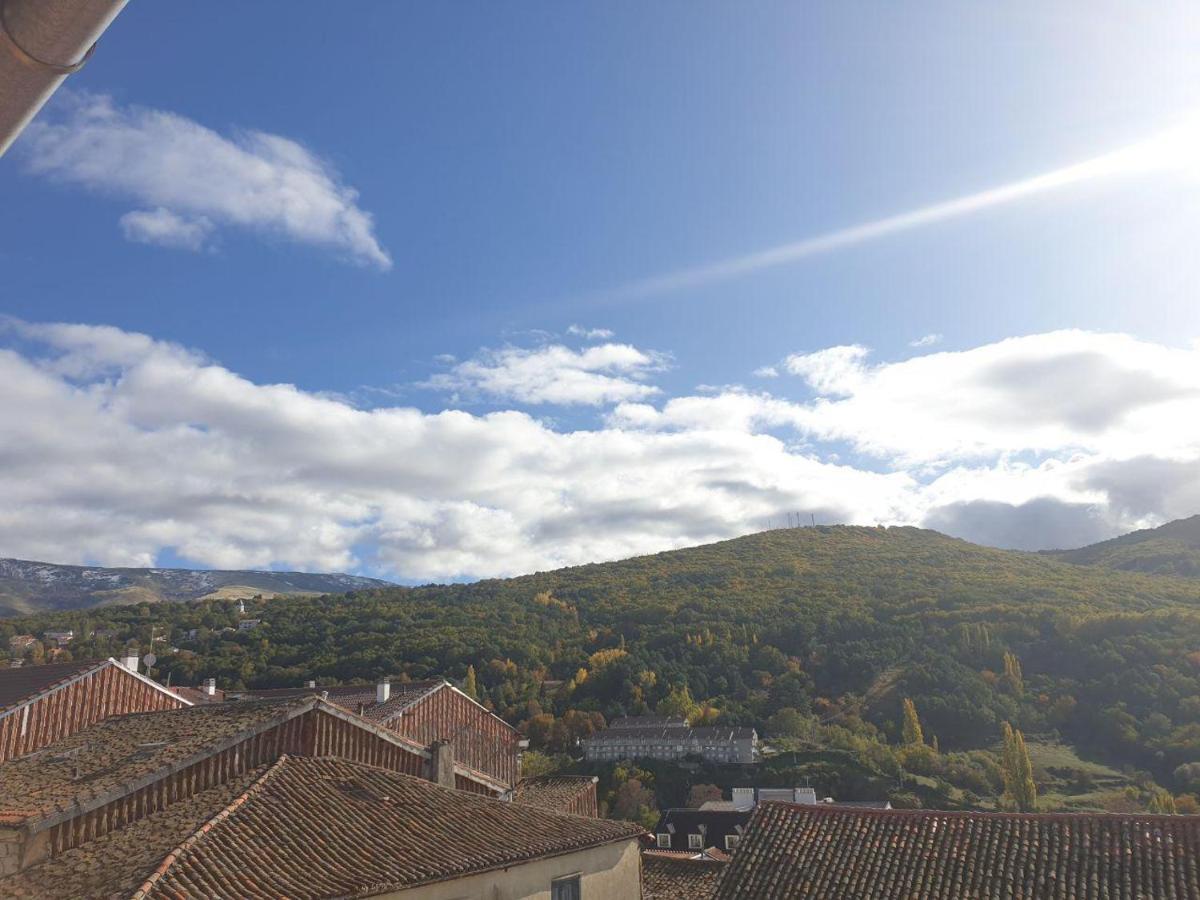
{"x": 605, "y": 373}
{"x": 117, "y": 446}
{"x": 835, "y": 370}
{"x": 926, "y": 340}
{"x": 251, "y": 179}
{"x": 1066, "y": 391}
{"x": 590, "y": 334}
{"x": 167, "y": 229}
{"x": 766, "y": 372}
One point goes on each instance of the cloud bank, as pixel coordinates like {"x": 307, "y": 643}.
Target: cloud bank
{"x": 116, "y": 446}
{"x": 194, "y": 180}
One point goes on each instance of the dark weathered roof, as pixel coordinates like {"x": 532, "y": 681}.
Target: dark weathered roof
{"x": 671, "y": 878}
{"x": 92, "y": 763}
{"x": 118, "y": 863}
{"x": 350, "y": 696}
{"x": 554, "y": 792}
{"x": 794, "y": 850}
{"x": 330, "y": 828}
{"x": 19, "y": 684}
{"x": 713, "y": 824}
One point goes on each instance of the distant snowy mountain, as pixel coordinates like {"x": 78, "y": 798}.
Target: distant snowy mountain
{"x": 28, "y": 587}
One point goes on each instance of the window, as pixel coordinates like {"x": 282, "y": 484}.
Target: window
{"x": 695, "y": 842}
{"x": 731, "y": 841}
{"x": 664, "y": 841}
{"x": 565, "y": 888}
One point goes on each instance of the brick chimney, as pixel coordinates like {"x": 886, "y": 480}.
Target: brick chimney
{"x": 210, "y": 687}
{"x": 383, "y": 690}
{"x": 441, "y": 763}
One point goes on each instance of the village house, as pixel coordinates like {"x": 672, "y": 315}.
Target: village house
{"x": 59, "y": 638}
{"x": 746, "y": 798}
{"x": 42, "y": 704}
{"x": 294, "y": 797}
{"x": 427, "y": 711}
{"x": 793, "y": 850}
{"x": 695, "y": 830}
{"x": 657, "y": 737}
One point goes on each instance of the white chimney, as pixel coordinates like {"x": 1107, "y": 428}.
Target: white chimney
{"x": 310, "y": 684}
{"x": 806, "y": 795}
{"x": 130, "y": 660}
{"x": 210, "y": 686}
{"x": 383, "y": 690}
{"x": 743, "y": 798}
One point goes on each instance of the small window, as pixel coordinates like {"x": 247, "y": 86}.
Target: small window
{"x": 565, "y": 888}
{"x": 695, "y": 842}
{"x": 731, "y": 841}
{"x": 664, "y": 842}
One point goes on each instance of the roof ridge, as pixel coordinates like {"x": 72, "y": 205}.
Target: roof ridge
{"x": 836, "y": 810}
{"x": 196, "y": 836}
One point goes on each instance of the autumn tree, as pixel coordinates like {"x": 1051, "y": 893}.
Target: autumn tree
{"x": 678, "y": 703}
{"x": 1013, "y": 678}
{"x": 1020, "y": 792}
{"x": 470, "y": 687}
{"x": 701, "y": 794}
{"x": 910, "y": 731}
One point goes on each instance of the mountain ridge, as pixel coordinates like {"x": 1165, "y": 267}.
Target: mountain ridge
{"x": 1172, "y": 548}
{"x": 32, "y": 586}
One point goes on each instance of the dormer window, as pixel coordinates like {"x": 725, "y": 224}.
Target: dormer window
{"x": 695, "y": 842}
{"x": 731, "y": 841}
{"x": 664, "y": 841}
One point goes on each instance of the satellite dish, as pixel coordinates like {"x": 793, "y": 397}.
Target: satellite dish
{"x": 149, "y": 659}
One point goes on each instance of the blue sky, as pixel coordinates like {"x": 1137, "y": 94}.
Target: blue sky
{"x": 522, "y": 163}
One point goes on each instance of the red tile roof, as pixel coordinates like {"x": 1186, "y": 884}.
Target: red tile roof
{"x": 794, "y": 850}
{"x": 670, "y": 878}
{"x": 118, "y": 863}
{"x": 19, "y": 684}
{"x": 87, "y": 767}
{"x": 322, "y": 827}
{"x": 557, "y": 792}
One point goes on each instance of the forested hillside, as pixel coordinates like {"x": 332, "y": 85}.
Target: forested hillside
{"x": 1170, "y": 549}
{"x": 814, "y": 635}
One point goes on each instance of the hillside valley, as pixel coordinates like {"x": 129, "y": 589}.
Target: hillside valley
{"x": 1170, "y": 549}
{"x": 814, "y": 636}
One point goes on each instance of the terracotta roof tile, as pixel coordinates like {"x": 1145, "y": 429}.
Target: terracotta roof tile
{"x": 556, "y": 792}
{"x": 119, "y": 750}
{"x": 667, "y": 878}
{"x": 326, "y": 827}
{"x": 822, "y": 852}
{"x": 118, "y": 863}
{"x": 21, "y": 683}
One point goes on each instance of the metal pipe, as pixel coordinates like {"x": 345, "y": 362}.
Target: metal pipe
{"x": 41, "y": 43}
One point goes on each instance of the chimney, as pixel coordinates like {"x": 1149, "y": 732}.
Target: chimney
{"x": 310, "y": 684}
{"x": 130, "y": 660}
{"x": 806, "y": 795}
{"x": 743, "y": 798}
{"x": 441, "y": 763}
{"x": 210, "y": 687}
{"x": 383, "y": 690}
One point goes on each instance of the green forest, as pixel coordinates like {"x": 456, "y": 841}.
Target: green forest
{"x": 873, "y": 661}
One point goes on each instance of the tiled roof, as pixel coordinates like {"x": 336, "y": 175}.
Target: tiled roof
{"x": 668, "y": 878}
{"x": 329, "y": 828}
{"x": 825, "y": 852}
{"x": 350, "y": 696}
{"x": 118, "y": 863}
{"x": 23, "y": 682}
{"x": 553, "y": 791}
{"x": 92, "y": 763}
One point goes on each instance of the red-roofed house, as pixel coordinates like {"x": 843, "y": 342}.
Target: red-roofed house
{"x": 42, "y": 704}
